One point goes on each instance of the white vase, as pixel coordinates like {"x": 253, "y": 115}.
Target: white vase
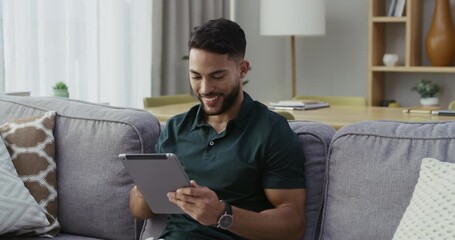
{"x": 431, "y": 101}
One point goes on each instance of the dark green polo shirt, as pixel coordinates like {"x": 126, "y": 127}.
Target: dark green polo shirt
{"x": 257, "y": 151}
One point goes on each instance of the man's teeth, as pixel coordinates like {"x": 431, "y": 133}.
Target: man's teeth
{"x": 211, "y": 99}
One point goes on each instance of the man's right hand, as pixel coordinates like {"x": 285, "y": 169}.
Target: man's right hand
{"x": 138, "y": 206}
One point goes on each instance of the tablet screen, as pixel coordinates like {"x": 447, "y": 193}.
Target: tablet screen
{"x": 156, "y": 174}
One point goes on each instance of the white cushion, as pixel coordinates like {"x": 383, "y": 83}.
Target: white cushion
{"x": 431, "y": 212}
{"x": 18, "y": 209}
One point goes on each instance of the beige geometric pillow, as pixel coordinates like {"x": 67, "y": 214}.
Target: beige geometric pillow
{"x": 31, "y": 144}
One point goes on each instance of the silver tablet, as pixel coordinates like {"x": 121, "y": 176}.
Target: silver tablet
{"x": 156, "y": 174}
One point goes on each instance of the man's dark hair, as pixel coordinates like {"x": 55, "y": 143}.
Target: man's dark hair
{"x": 220, "y": 36}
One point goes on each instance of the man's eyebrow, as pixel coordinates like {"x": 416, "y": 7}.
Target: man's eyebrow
{"x": 194, "y": 72}
{"x": 212, "y": 73}
{"x": 218, "y": 71}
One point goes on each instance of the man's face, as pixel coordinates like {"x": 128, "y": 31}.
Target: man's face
{"x": 215, "y": 80}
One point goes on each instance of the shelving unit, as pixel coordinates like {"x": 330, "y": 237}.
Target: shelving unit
{"x": 411, "y": 22}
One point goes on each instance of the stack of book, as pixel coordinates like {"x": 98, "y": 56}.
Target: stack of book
{"x": 422, "y": 109}
{"x": 396, "y": 8}
{"x": 435, "y": 110}
{"x": 297, "y": 105}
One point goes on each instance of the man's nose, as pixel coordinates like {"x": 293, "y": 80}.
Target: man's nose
{"x": 206, "y": 86}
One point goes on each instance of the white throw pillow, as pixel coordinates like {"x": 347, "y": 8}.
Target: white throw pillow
{"x": 18, "y": 208}
{"x": 431, "y": 212}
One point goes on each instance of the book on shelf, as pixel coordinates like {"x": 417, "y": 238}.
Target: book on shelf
{"x": 392, "y": 5}
{"x": 399, "y": 8}
{"x": 297, "y": 105}
{"x": 422, "y": 109}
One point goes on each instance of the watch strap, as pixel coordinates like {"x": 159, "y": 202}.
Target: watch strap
{"x": 227, "y": 207}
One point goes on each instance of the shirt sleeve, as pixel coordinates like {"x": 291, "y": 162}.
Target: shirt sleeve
{"x": 285, "y": 160}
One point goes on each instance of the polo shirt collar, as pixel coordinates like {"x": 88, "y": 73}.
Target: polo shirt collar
{"x": 240, "y": 121}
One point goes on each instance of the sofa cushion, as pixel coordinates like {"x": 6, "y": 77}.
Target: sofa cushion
{"x": 372, "y": 169}
{"x": 93, "y": 184}
{"x": 19, "y": 210}
{"x": 315, "y": 139}
{"x": 431, "y": 212}
{"x": 31, "y": 144}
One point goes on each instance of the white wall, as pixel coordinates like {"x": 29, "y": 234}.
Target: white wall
{"x": 334, "y": 64}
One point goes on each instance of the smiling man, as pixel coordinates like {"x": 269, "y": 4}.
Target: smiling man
{"x": 245, "y": 162}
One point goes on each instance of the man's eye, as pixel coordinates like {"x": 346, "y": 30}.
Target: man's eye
{"x": 218, "y": 76}
{"x": 196, "y": 77}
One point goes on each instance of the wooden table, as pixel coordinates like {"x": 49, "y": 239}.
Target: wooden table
{"x": 335, "y": 116}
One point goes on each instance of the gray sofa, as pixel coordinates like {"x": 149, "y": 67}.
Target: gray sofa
{"x": 371, "y": 173}
{"x": 360, "y": 178}
{"x": 93, "y": 186}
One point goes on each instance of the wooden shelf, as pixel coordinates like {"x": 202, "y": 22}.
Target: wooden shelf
{"x": 414, "y": 69}
{"x": 406, "y": 29}
{"x": 389, "y": 19}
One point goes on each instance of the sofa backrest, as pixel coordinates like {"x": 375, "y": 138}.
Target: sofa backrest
{"x": 372, "y": 170}
{"x": 315, "y": 139}
{"x": 93, "y": 185}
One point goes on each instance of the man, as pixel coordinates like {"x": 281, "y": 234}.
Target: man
{"x": 245, "y": 161}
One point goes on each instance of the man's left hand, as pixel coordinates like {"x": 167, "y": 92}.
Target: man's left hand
{"x": 200, "y": 203}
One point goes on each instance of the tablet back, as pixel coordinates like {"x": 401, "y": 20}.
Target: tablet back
{"x": 155, "y": 175}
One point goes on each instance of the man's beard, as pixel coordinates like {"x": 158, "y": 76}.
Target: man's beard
{"x": 228, "y": 102}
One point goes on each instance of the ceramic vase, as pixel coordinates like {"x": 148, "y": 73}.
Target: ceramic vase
{"x": 440, "y": 39}
{"x": 390, "y": 59}
{"x": 430, "y": 101}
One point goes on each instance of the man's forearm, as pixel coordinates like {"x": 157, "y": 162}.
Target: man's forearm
{"x": 138, "y": 206}
{"x": 278, "y": 223}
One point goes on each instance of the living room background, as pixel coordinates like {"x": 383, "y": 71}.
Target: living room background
{"x": 333, "y": 64}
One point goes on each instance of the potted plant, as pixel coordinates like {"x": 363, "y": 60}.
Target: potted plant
{"x": 427, "y": 90}
{"x": 60, "y": 90}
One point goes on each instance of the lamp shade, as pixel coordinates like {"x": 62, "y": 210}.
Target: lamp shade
{"x": 292, "y": 17}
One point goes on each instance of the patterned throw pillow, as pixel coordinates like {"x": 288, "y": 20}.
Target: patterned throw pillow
{"x": 31, "y": 144}
{"x": 431, "y": 212}
{"x": 18, "y": 208}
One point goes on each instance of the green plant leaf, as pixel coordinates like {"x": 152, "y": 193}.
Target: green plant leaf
{"x": 426, "y": 88}
{"x": 60, "y": 85}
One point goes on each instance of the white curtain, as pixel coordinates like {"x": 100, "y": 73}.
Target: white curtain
{"x": 102, "y": 49}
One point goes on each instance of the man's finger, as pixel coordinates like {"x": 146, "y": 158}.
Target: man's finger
{"x": 194, "y": 184}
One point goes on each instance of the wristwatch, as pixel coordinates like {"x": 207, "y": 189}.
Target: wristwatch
{"x": 225, "y": 220}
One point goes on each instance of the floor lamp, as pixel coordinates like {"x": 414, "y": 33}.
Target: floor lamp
{"x": 292, "y": 18}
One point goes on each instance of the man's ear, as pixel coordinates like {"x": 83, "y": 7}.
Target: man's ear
{"x": 244, "y": 67}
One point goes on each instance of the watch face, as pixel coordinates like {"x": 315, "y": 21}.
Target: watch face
{"x": 225, "y": 221}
